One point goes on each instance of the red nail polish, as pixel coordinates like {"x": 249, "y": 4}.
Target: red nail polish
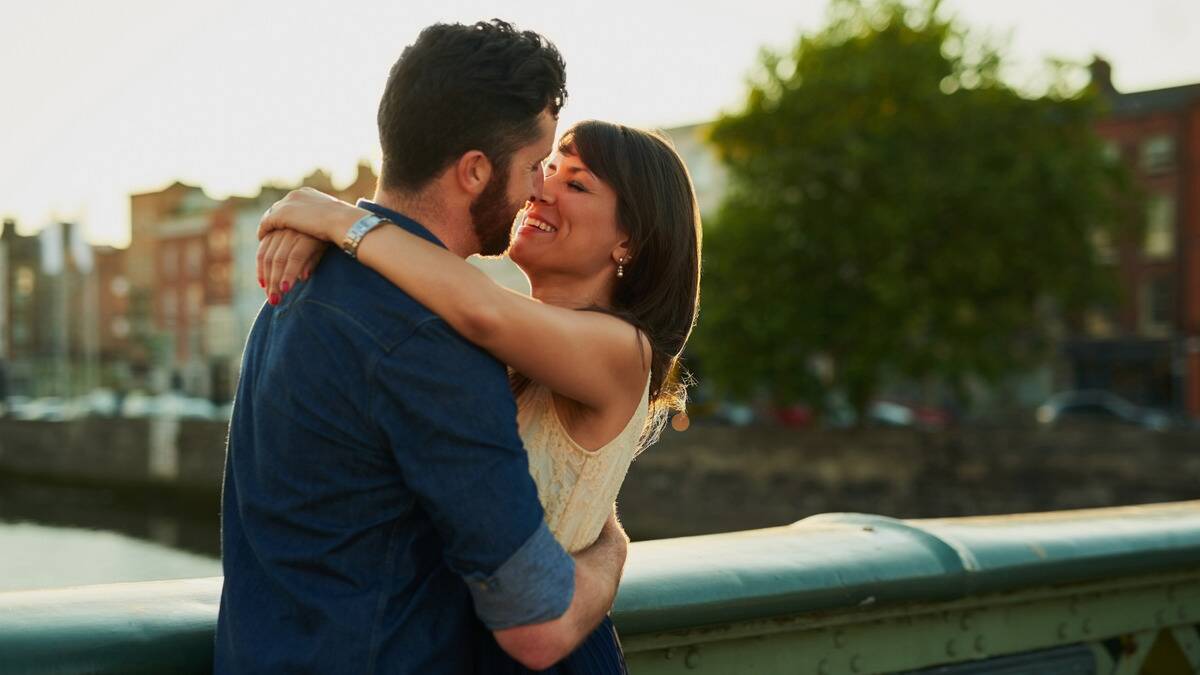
{"x": 273, "y": 299}
{"x": 285, "y": 287}
{"x": 262, "y": 284}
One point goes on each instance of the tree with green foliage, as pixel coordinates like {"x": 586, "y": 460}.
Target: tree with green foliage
{"x": 897, "y": 211}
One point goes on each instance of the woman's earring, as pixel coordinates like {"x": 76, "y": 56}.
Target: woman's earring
{"x": 621, "y": 268}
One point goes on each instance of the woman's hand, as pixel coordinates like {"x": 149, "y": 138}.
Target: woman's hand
{"x": 311, "y": 212}
{"x": 285, "y": 256}
{"x": 293, "y": 235}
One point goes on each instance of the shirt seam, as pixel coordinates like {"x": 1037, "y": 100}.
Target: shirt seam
{"x": 373, "y": 363}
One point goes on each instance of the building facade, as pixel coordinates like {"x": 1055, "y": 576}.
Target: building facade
{"x": 49, "y": 312}
{"x": 193, "y": 290}
{"x": 1147, "y": 346}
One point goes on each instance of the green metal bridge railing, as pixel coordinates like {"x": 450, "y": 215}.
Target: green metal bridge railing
{"x": 1112, "y": 591}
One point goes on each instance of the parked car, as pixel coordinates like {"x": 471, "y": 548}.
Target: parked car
{"x": 1099, "y": 406}
{"x": 99, "y": 402}
{"x": 49, "y": 408}
{"x": 170, "y": 404}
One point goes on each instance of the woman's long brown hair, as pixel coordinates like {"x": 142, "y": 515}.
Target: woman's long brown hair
{"x": 659, "y": 292}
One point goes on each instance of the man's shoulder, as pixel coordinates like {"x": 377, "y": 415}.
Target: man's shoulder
{"x": 400, "y": 325}
{"x": 433, "y": 334}
{"x": 352, "y": 294}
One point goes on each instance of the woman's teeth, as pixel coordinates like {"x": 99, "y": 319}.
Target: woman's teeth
{"x": 544, "y": 227}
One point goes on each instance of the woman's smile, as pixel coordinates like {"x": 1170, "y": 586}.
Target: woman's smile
{"x": 533, "y": 222}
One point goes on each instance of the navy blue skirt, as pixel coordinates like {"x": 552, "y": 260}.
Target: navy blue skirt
{"x": 599, "y": 654}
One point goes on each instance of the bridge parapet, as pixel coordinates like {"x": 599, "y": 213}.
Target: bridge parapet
{"x": 1096, "y": 591}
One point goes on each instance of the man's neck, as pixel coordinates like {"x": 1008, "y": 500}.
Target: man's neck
{"x": 456, "y": 233}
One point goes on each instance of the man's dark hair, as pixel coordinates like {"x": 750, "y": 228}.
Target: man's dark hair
{"x": 460, "y": 88}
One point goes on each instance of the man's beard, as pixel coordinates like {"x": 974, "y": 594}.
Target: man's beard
{"x": 492, "y": 215}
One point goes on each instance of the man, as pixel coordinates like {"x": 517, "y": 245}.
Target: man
{"x": 377, "y": 503}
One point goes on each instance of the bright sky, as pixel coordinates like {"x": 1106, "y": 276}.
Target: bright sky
{"x": 101, "y": 99}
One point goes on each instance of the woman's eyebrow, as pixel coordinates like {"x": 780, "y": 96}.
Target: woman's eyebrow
{"x": 572, "y": 170}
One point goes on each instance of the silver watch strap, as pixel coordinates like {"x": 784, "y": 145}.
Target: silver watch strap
{"x": 357, "y": 231}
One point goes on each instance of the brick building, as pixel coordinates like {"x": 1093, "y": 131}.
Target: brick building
{"x": 193, "y": 289}
{"x": 1148, "y": 346}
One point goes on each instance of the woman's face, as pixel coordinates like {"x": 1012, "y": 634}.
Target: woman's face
{"x": 572, "y": 230}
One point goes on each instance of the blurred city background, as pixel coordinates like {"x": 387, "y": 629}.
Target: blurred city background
{"x": 952, "y": 252}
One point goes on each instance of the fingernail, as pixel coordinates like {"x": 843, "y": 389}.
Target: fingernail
{"x": 285, "y": 286}
{"x": 262, "y": 284}
{"x": 304, "y": 276}
{"x": 273, "y": 299}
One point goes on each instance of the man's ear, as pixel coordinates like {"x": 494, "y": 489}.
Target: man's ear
{"x": 473, "y": 171}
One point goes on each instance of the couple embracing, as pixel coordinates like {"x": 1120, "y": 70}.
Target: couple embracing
{"x": 423, "y": 465}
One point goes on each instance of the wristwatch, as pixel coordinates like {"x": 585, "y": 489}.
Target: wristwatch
{"x": 358, "y": 230}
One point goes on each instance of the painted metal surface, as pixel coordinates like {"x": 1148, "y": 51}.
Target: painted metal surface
{"x": 842, "y": 560}
{"x": 837, "y": 593}
{"x": 145, "y": 627}
{"x": 1116, "y": 621}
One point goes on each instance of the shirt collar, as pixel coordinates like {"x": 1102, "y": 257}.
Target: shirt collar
{"x": 399, "y": 219}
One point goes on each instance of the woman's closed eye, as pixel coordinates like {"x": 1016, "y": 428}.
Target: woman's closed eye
{"x": 576, "y": 185}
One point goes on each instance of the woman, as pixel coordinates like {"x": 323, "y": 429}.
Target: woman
{"x": 617, "y": 233}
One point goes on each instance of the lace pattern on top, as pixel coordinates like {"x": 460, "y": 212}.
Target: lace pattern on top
{"x": 576, "y": 486}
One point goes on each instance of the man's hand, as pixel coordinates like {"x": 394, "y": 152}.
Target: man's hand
{"x": 598, "y": 571}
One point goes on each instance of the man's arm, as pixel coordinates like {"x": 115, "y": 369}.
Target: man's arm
{"x": 445, "y": 407}
{"x": 598, "y": 571}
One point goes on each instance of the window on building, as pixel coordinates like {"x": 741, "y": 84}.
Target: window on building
{"x": 195, "y": 258}
{"x": 1102, "y": 246}
{"x": 195, "y": 300}
{"x": 218, "y": 239}
{"x": 170, "y": 308}
{"x": 169, "y": 261}
{"x": 1099, "y": 322}
{"x": 1157, "y": 306}
{"x": 1158, "y": 152}
{"x": 218, "y": 273}
{"x": 1111, "y": 150}
{"x": 1160, "y": 227}
{"x": 25, "y": 282}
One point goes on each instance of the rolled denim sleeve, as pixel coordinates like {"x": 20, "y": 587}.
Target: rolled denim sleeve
{"x": 449, "y": 416}
{"x": 528, "y": 587}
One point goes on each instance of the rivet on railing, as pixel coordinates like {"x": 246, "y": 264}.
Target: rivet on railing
{"x": 1062, "y": 630}
{"x": 856, "y": 664}
{"x": 839, "y": 639}
{"x": 692, "y": 660}
{"x": 823, "y": 667}
{"x": 951, "y": 648}
{"x": 979, "y": 644}
{"x": 1086, "y": 626}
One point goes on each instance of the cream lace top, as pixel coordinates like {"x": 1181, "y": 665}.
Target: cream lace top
{"x": 577, "y": 487}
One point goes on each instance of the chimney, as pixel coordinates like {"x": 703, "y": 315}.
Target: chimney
{"x": 1101, "y": 71}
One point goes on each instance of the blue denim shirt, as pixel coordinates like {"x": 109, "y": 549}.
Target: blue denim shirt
{"x": 378, "y": 514}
